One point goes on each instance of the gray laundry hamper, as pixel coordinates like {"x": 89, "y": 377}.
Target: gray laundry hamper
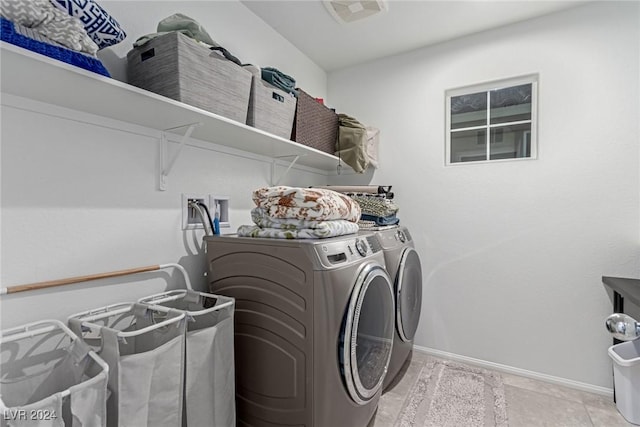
{"x": 144, "y": 349}
{"x": 50, "y": 377}
{"x": 209, "y": 364}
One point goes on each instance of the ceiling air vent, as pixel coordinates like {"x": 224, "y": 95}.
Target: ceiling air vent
{"x": 345, "y": 11}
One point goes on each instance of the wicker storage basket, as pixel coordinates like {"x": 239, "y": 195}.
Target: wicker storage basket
{"x": 270, "y": 109}
{"x": 315, "y": 125}
{"x": 175, "y": 66}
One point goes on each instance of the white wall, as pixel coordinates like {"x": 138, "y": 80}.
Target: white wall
{"x": 513, "y": 253}
{"x": 79, "y": 193}
{"x": 507, "y": 248}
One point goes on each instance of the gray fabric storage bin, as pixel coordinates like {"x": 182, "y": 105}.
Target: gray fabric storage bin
{"x": 178, "y": 67}
{"x": 270, "y": 109}
{"x": 315, "y": 125}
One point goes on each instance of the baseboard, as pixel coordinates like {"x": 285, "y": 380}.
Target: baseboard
{"x": 517, "y": 371}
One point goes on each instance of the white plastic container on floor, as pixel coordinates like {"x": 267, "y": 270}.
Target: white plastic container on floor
{"x": 626, "y": 378}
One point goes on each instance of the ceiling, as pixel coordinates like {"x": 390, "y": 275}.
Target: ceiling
{"x": 406, "y": 25}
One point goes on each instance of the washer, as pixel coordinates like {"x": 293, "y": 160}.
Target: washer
{"x": 314, "y": 326}
{"x": 403, "y": 265}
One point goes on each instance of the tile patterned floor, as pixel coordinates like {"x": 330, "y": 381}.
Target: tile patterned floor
{"x": 529, "y": 402}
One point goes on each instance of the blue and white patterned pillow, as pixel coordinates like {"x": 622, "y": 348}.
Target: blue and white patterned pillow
{"x": 101, "y": 27}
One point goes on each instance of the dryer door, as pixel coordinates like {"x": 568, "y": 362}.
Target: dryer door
{"x": 408, "y": 294}
{"x": 368, "y": 333}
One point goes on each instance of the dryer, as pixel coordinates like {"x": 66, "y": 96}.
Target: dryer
{"x": 314, "y": 327}
{"x": 403, "y": 265}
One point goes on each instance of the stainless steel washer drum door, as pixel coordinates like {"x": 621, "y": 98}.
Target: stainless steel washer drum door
{"x": 408, "y": 294}
{"x": 368, "y": 333}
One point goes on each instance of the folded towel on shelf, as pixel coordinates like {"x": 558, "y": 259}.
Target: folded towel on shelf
{"x": 372, "y": 226}
{"x": 332, "y": 229}
{"x": 101, "y": 27}
{"x": 366, "y": 225}
{"x": 381, "y": 220}
{"x": 279, "y": 79}
{"x": 46, "y": 19}
{"x": 306, "y": 203}
{"x": 375, "y": 205}
{"x": 28, "y": 38}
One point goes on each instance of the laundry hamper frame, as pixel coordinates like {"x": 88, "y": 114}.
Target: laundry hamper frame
{"x": 146, "y": 362}
{"x": 83, "y": 374}
{"x": 209, "y": 359}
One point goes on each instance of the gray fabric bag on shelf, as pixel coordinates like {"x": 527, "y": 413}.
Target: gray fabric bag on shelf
{"x": 351, "y": 146}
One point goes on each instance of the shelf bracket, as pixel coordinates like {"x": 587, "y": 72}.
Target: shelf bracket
{"x": 275, "y": 182}
{"x": 166, "y": 166}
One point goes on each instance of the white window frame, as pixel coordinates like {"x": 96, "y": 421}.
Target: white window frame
{"x": 488, "y": 87}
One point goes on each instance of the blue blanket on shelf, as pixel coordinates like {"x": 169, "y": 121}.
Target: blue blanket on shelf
{"x": 16, "y": 34}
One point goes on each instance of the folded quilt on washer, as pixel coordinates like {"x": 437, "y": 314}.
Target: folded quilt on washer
{"x": 261, "y": 219}
{"x": 330, "y": 229}
{"x": 313, "y": 204}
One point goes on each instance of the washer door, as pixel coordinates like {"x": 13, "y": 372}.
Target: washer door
{"x": 368, "y": 333}
{"x": 408, "y": 294}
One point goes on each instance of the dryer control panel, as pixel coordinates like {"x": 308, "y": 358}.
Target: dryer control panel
{"x": 394, "y": 238}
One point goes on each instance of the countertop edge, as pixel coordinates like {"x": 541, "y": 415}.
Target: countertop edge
{"x": 625, "y": 286}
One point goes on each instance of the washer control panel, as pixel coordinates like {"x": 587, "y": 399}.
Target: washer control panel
{"x": 343, "y": 251}
{"x": 361, "y": 247}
